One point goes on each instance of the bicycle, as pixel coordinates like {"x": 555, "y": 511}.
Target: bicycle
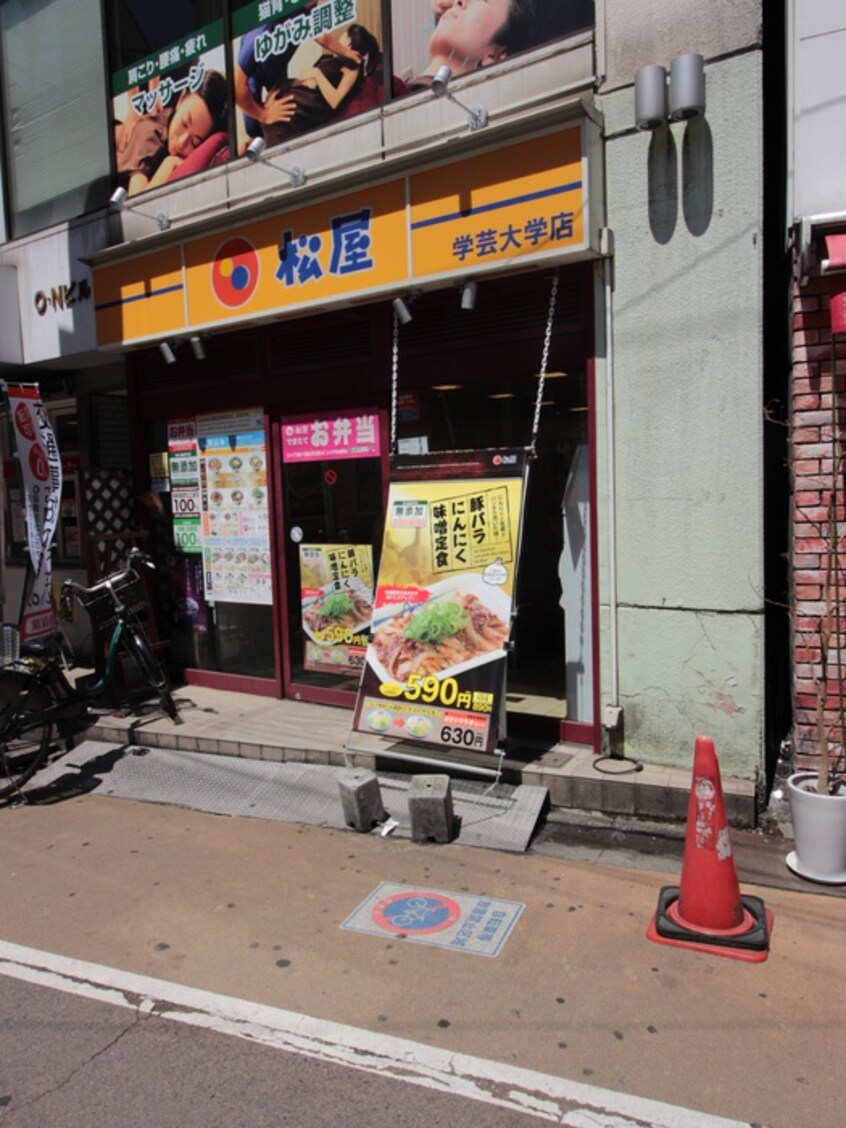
{"x": 35, "y": 693}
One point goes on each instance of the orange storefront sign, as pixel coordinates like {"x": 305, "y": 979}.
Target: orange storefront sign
{"x": 525, "y": 202}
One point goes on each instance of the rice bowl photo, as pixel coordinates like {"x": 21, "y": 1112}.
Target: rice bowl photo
{"x": 463, "y": 624}
{"x": 349, "y": 608}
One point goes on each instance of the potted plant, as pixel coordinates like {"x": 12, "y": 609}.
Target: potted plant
{"x": 818, "y": 798}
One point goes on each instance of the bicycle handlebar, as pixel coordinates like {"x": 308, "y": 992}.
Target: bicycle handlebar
{"x": 106, "y": 584}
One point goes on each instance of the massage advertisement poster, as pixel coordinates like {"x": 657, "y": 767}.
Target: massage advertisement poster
{"x": 469, "y": 35}
{"x": 304, "y": 64}
{"x": 337, "y": 604}
{"x": 435, "y": 666}
{"x": 171, "y": 110}
{"x": 235, "y": 515}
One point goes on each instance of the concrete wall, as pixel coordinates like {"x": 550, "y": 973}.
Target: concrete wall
{"x": 685, "y": 206}
{"x": 638, "y": 33}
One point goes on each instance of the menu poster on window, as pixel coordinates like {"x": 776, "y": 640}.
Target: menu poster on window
{"x": 435, "y": 666}
{"x": 235, "y": 518}
{"x": 184, "y": 469}
{"x": 69, "y": 537}
{"x": 336, "y": 590}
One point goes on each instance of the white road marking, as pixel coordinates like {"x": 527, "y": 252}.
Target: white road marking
{"x": 556, "y": 1099}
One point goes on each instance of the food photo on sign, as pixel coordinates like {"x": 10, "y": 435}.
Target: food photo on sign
{"x": 337, "y": 605}
{"x": 435, "y": 666}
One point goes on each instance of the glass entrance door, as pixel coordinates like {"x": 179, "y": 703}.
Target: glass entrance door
{"x": 334, "y": 469}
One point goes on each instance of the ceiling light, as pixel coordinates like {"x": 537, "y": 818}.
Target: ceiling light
{"x": 687, "y": 87}
{"x": 650, "y": 97}
{"x": 468, "y": 295}
{"x": 402, "y": 311}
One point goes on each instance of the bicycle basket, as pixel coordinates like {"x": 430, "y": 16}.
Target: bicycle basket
{"x": 101, "y": 606}
{"x": 10, "y": 644}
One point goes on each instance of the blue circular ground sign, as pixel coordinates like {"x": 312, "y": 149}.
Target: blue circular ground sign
{"x": 416, "y": 913}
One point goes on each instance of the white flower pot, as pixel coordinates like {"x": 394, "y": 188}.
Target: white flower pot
{"x": 819, "y": 831}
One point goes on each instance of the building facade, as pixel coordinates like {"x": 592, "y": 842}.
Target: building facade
{"x": 816, "y": 225}
{"x": 283, "y": 180}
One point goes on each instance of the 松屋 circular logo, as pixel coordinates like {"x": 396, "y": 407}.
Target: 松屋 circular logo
{"x": 235, "y": 272}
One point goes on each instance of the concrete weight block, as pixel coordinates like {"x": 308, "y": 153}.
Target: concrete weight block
{"x": 361, "y": 799}
{"x": 430, "y": 809}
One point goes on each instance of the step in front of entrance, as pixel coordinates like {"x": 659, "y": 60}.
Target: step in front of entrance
{"x": 236, "y": 724}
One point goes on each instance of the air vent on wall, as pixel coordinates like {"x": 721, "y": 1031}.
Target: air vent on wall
{"x": 227, "y": 358}
{"x": 326, "y": 342}
{"x": 510, "y": 310}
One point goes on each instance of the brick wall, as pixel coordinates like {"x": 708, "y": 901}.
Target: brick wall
{"x": 818, "y": 462}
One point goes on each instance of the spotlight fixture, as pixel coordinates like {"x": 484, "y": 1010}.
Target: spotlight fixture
{"x": 256, "y": 149}
{"x": 255, "y": 152}
{"x": 468, "y": 295}
{"x": 687, "y": 87}
{"x": 402, "y": 310}
{"x": 650, "y": 97}
{"x": 198, "y": 347}
{"x": 167, "y": 352}
{"x": 118, "y": 201}
{"x": 477, "y": 116}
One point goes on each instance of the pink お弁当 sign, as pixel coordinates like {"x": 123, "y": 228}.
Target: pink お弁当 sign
{"x": 339, "y": 434}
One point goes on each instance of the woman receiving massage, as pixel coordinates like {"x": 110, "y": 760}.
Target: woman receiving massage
{"x": 312, "y": 99}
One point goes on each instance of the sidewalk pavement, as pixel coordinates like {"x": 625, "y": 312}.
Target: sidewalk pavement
{"x": 253, "y": 909}
{"x": 238, "y": 724}
{"x": 624, "y": 818}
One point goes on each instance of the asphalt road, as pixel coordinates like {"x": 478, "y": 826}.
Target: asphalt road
{"x": 234, "y": 926}
{"x": 71, "y": 1062}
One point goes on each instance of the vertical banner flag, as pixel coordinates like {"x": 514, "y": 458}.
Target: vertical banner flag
{"x": 41, "y": 472}
{"x": 434, "y": 670}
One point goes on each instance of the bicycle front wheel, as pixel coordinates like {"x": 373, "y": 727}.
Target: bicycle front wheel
{"x": 138, "y": 647}
{"x": 22, "y": 756}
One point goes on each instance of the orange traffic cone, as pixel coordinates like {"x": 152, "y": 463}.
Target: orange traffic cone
{"x": 706, "y": 911}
